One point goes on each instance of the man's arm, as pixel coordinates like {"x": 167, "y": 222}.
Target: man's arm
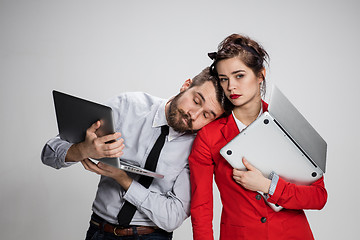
{"x": 54, "y": 152}
{"x": 167, "y": 210}
{"x": 170, "y": 209}
{"x": 58, "y": 153}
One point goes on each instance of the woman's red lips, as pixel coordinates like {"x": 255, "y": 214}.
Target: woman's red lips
{"x": 234, "y": 96}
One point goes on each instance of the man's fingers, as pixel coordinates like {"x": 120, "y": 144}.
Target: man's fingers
{"x": 112, "y": 149}
{"x": 105, "y": 167}
{"x": 84, "y": 164}
{"x": 110, "y": 137}
{"x": 114, "y": 153}
{"x": 113, "y": 172}
{"x": 87, "y": 164}
{"x": 99, "y": 168}
{"x": 115, "y": 145}
{"x": 91, "y": 166}
{"x": 100, "y": 147}
{"x": 93, "y": 127}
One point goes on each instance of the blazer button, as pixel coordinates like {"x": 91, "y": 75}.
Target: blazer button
{"x": 258, "y": 197}
{"x": 263, "y": 219}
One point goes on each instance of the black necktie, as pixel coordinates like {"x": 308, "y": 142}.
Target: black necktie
{"x": 128, "y": 210}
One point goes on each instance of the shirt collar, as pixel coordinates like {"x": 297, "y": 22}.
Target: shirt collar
{"x": 160, "y": 120}
{"x": 242, "y": 126}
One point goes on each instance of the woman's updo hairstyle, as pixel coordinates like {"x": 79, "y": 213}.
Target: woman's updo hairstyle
{"x": 247, "y": 50}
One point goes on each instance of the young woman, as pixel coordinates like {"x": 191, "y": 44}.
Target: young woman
{"x": 239, "y": 66}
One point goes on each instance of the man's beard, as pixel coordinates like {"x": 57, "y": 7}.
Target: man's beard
{"x": 176, "y": 116}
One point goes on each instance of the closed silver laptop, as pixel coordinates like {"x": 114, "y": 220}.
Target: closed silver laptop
{"x": 280, "y": 140}
{"x": 75, "y": 115}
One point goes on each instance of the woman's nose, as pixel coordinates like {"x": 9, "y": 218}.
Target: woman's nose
{"x": 231, "y": 84}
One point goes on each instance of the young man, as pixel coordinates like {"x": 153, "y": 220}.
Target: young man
{"x": 162, "y": 206}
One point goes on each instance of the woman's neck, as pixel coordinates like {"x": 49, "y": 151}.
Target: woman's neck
{"x": 248, "y": 113}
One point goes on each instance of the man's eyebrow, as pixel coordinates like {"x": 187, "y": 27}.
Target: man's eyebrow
{"x": 202, "y": 97}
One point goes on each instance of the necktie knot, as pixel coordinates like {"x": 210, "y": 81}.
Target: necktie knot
{"x": 165, "y": 130}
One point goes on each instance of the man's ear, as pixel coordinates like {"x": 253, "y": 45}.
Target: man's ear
{"x": 186, "y": 85}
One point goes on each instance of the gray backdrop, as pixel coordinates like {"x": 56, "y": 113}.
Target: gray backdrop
{"x": 97, "y": 49}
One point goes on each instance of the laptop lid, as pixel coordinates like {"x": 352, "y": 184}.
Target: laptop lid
{"x": 271, "y": 146}
{"x": 75, "y": 115}
{"x": 298, "y": 128}
{"x": 264, "y": 144}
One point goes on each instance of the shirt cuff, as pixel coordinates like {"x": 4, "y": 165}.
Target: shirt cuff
{"x": 274, "y": 180}
{"x": 62, "y": 154}
{"x": 60, "y": 149}
{"x": 136, "y": 194}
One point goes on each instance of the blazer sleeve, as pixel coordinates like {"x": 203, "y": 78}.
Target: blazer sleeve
{"x": 201, "y": 178}
{"x": 292, "y": 196}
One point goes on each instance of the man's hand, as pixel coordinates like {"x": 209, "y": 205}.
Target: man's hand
{"x": 106, "y": 170}
{"x": 252, "y": 179}
{"x": 96, "y": 147}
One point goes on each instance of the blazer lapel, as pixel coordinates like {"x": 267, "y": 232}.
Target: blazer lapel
{"x": 229, "y": 130}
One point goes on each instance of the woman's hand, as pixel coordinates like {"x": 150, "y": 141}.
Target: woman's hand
{"x": 252, "y": 179}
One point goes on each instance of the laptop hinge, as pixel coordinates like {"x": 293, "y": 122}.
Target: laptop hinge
{"x": 297, "y": 145}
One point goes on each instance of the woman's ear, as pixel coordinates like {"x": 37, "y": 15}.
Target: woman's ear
{"x": 186, "y": 85}
{"x": 262, "y": 75}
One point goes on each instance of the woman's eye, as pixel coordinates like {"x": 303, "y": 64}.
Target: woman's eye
{"x": 223, "y": 79}
{"x": 239, "y": 76}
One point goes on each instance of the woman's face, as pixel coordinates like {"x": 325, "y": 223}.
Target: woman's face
{"x": 240, "y": 84}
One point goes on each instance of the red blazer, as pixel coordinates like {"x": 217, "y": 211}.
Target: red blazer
{"x": 245, "y": 214}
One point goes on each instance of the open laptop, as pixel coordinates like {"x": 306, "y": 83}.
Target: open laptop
{"x": 280, "y": 140}
{"x": 75, "y": 115}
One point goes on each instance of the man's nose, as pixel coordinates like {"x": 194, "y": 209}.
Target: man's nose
{"x": 195, "y": 114}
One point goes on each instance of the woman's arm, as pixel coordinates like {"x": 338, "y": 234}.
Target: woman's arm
{"x": 292, "y": 196}
{"x": 286, "y": 194}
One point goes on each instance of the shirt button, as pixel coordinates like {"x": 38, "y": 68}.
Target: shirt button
{"x": 258, "y": 197}
{"x": 263, "y": 219}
